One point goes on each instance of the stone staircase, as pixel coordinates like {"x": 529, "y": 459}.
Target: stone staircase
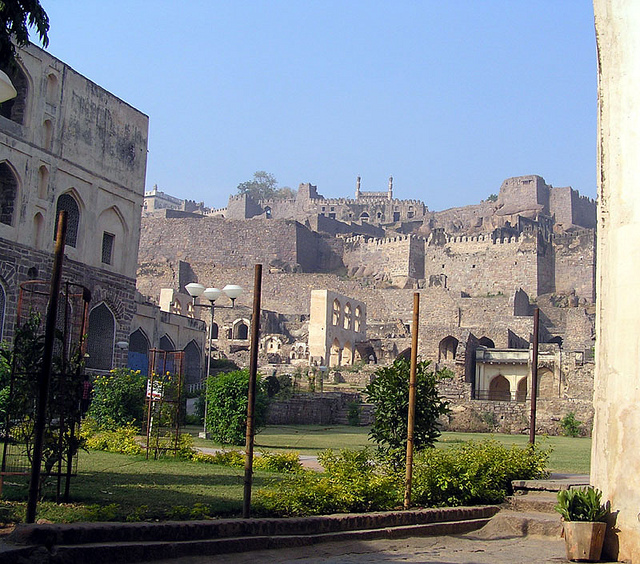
{"x": 530, "y": 510}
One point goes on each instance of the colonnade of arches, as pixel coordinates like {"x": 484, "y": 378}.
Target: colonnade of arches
{"x": 346, "y": 316}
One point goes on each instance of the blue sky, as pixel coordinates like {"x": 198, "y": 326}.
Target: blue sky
{"x": 450, "y": 97}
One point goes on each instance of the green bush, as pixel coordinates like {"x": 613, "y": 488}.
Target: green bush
{"x": 389, "y": 392}
{"x": 288, "y": 462}
{"x": 353, "y": 413}
{"x": 473, "y": 472}
{"x": 227, "y": 407}
{"x": 570, "y": 426}
{"x": 118, "y": 399}
{"x": 352, "y": 482}
{"x": 121, "y": 440}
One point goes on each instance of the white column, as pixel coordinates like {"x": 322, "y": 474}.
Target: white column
{"x": 615, "y": 459}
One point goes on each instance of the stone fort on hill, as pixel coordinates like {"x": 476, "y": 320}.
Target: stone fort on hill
{"x": 480, "y": 270}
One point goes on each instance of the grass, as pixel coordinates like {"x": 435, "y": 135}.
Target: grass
{"x": 166, "y": 487}
{"x": 569, "y": 455}
{"x": 119, "y": 487}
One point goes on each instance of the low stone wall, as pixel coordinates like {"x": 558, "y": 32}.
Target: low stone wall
{"x": 327, "y": 408}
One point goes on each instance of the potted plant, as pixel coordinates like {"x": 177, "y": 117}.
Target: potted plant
{"x": 584, "y": 522}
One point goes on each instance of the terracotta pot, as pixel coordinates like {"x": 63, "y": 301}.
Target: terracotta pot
{"x": 584, "y": 540}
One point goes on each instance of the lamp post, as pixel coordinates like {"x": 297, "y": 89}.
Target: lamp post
{"x": 196, "y": 290}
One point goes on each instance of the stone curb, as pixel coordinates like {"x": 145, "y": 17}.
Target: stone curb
{"x": 132, "y": 542}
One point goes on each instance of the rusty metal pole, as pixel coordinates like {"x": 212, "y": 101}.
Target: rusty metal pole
{"x": 534, "y": 378}
{"x": 251, "y": 400}
{"x": 412, "y": 400}
{"x": 45, "y": 372}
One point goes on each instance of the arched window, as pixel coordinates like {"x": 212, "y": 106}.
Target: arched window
{"x": 241, "y": 331}
{"x": 16, "y": 108}
{"x": 67, "y": 203}
{"x": 38, "y": 228}
{"x": 47, "y": 134}
{"x": 192, "y": 372}
{"x": 499, "y": 389}
{"x": 486, "y": 342}
{"x": 267, "y": 212}
{"x": 214, "y": 331}
{"x": 100, "y": 339}
{"x": 448, "y": 347}
{"x": 8, "y": 193}
{"x": 357, "y": 323}
{"x": 52, "y": 89}
{"x": 166, "y": 344}
{"x": 364, "y": 217}
{"x": 43, "y": 181}
{"x": 346, "y": 323}
{"x": 335, "y": 317}
{"x": 138, "y": 355}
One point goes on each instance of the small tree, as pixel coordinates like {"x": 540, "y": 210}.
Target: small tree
{"x": 389, "y": 392}
{"x": 118, "y": 398}
{"x": 227, "y": 406}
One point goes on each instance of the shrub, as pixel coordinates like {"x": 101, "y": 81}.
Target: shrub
{"x": 389, "y": 392}
{"x": 474, "y": 472}
{"x": 227, "y": 407}
{"x": 118, "y": 399}
{"x": 278, "y": 462}
{"x": 353, "y": 413}
{"x": 352, "y": 482}
{"x": 570, "y": 426}
{"x": 222, "y": 457}
{"x": 121, "y": 440}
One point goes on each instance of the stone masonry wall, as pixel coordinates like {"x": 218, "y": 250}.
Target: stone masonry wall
{"x": 575, "y": 263}
{"x": 471, "y": 265}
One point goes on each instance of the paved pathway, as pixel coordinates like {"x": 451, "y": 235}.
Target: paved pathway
{"x": 463, "y": 549}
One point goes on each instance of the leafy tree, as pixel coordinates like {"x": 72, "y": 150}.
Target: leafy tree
{"x": 492, "y": 198}
{"x": 16, "y": 17}
{"x": 227, "y": 406}
{"x": 118, "y": 398}
{"x": 389, "y": 392}
{"x": 264, "y": 186}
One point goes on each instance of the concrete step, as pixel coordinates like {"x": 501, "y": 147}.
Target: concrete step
{"x": 509, "y": 523}
{"x": 96, "y": 543}
{"x": 539, "y": 501}
{"x": 150, "y": 551}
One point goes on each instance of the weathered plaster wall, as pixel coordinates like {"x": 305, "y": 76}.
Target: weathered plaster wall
{"x": 615, "y": 465}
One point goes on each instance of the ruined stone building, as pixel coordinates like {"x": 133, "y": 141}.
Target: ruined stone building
{"x": 480, "y": 271}
{"x": 68, "y": 144}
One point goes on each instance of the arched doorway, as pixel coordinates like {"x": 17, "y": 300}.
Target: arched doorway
{"x": 100, "y": 338}
{"x": 499, "y": 389}
{"x": 138, "y": 355}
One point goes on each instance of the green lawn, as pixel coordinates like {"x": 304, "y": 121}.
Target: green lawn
{"x": 164, "y": 486}
{"x": 115, "y": 486}
{"x": 569, "y": 455}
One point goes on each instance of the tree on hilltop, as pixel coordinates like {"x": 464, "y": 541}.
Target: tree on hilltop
{"x": 16, "y": 17}
{"x": 264, "y": 186}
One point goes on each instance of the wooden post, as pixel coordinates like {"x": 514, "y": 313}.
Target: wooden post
{"x": 45, "y": 373}
{"x": 253, "y": 370}
{"x": 534, "y": 378}
{"x": 412, "y": 400}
